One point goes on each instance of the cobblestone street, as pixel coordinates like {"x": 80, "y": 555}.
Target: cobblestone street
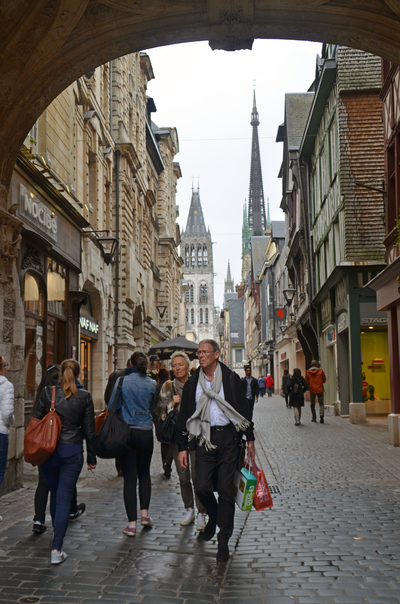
{"x": 332, "y": 537}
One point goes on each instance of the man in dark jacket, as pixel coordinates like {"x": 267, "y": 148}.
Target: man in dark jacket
{"x": 213, "y": 416}
{"x": 251, "y": 388}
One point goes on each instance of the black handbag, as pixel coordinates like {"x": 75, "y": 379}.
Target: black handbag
{"x": 167, "y": 430}
{"x": 113, "y": 437}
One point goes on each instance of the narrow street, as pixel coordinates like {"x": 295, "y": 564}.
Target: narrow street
{"x": 332, "y": 537}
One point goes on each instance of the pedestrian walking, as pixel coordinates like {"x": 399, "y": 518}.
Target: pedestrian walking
{"x": 316, "y": 378}
{"x": 6, "y": 416}
{"x": 170, "y": 398}
{"x": 74, "y": 406}
{"x": 166, "y": 452}
{"x": 269, "y": 384}
{"x": 285, "y": 386}
{"x": 51, "y": 377}
{"x": 297, "y": 388}
{"x": 215, "y": 414}
{"x": 250, "y": 385}
{"x": 261, "y": 385}
{"x": 135, "y": 401}
{"x": 107, "y": 395}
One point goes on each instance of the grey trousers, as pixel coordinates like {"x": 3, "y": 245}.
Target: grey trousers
{"x": 184, "y": 475}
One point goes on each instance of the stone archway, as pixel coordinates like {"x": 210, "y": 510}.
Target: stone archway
{"x": 48, "y": 44}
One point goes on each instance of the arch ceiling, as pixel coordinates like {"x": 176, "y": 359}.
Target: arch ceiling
{"x": 47, "y": 44}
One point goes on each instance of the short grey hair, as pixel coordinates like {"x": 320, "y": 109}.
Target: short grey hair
{"x": 213, "y": 343}
{"x": 180, "y": 353}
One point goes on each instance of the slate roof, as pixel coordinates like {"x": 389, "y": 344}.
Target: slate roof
{"x": 297, "y": 108}
{"x": 236, "y": 319}
{"x": 195, "y": 225}
{"x": 278, "y": 229}
{"x": 258, "y": 249}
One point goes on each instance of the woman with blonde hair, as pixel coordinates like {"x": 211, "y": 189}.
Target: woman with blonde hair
{"x": 74, "y": 406}
{"x": 170, "y": 397}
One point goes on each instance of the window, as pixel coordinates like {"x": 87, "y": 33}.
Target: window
{"x": 192, "y": 253}
{"x": 204, "y": 255}
{"x": 199, "y": 256}
{"x": 56, "y": 289}
{"x": 203, "y": 293}
{"x": 187, "y": 256}
{"x": 239, "y": 355}
{"x": 187, "y": 315}
{"x": 201, "y": 315}
{"x": 34, "y": 337}
{"x": 206, "y": 315}
{"x": 191, "y": 293}
{"x": 192, "y": 316}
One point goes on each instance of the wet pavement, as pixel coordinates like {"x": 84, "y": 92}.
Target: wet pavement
{"x": 333, "y": 535}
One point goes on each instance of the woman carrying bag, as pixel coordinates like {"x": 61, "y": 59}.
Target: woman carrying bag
{"x": 169, "y": 399}
{"x": 297, "y": 388}
{"x": 74, "y": 406}
{"x": 135, "y": 400}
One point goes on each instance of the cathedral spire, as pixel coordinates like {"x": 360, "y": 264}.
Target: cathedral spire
{"x": 256, "y": 211}
{"x": 229, "y": 285}
{"x": 195, "y": 223}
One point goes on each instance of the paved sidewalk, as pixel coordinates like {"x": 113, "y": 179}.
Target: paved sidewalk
{"x": 333, "y": 535}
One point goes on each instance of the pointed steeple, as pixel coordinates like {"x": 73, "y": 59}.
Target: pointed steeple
{"x": 195, "y": 225}
{"x": 246, "y": 235}
{"x": 229, "y": 285}
{"x": 268, "y": 225}
{"x": 256, "y": 212}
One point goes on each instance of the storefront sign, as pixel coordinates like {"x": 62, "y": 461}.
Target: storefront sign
{"x": 370, "y": 316}
{"x": 331, "y": 336}
{"x": 283, "y": 356}
{"x": 32, "y": 208}
{"x": 89, "y": 326}
{"x": 234, "y": 335}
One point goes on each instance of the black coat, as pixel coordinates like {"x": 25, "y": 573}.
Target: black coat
{"x": 286, "y": 383}
{"x": 76, "y": 414}
{"x": 233, "y": 394}
{"x": 297, "y": 398}
{"x": 254, "y": 387}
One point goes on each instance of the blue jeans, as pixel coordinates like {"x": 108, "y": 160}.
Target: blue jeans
{"x": 3, "y": 455}
{"x": 61, "y": 474}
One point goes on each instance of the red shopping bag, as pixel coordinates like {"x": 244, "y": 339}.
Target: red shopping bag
{"x": 262, "y": 497}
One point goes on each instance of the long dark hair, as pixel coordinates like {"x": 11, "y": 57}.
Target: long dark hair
{"x": 51, "y": 377}
{"x": 139, "y": 360}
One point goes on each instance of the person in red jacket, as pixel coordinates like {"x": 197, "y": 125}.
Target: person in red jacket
{"x": 315, "y": 378}
{"x": 269, "y": 384}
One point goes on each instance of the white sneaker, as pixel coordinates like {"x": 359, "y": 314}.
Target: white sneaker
{"x": 201, "y": 522}
{"x": 58, "y": 557}
{"x": 188, "y": 517}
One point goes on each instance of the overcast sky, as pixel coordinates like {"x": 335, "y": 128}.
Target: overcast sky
{"x": 208, "y": 96}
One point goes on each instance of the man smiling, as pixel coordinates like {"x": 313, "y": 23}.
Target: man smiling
{"x": 213, "y": 417}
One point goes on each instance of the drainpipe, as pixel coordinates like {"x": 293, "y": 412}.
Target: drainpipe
{"x": 117, "y": 158}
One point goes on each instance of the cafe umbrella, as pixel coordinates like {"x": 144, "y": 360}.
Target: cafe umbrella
{"x": 164, "y": 350}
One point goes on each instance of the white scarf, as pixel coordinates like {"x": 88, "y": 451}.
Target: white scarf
{"x": 198, "y": 425}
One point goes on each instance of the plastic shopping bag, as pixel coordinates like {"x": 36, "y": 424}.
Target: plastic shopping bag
{"x": 262, "y": 496}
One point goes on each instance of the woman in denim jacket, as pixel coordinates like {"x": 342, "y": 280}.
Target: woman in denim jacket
{"x": 135, "y": 400}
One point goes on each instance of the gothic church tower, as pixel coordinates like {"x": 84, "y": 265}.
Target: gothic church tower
{"x": 198, "y": 270}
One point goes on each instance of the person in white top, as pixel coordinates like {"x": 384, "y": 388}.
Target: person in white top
{"x": 6, "y": 415}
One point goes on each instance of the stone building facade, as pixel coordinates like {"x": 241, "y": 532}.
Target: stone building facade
{"x": 95, "y": 172}
{"x": 197, "y": 253}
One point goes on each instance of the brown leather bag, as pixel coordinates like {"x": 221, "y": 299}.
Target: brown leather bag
{"x": 42, "y": 435}
{"x": 100, "y": 419}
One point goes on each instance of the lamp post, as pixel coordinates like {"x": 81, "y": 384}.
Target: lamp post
{"x": 289, "y": 295}
{"x": 161, "y": 310}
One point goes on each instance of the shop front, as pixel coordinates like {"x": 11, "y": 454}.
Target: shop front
{"x": 89, "y": 330}
{"x": 49, "y": 266}
{"x": 375, "y": 359}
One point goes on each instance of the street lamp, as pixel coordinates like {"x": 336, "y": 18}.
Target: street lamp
{"x": 108, "y": 246}
{"x": 161, "y": 310}
{"x": 289, "y": 295}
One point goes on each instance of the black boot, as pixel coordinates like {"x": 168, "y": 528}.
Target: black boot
{"x": 209, "y": 530}
{"x": 223, "y": 552}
